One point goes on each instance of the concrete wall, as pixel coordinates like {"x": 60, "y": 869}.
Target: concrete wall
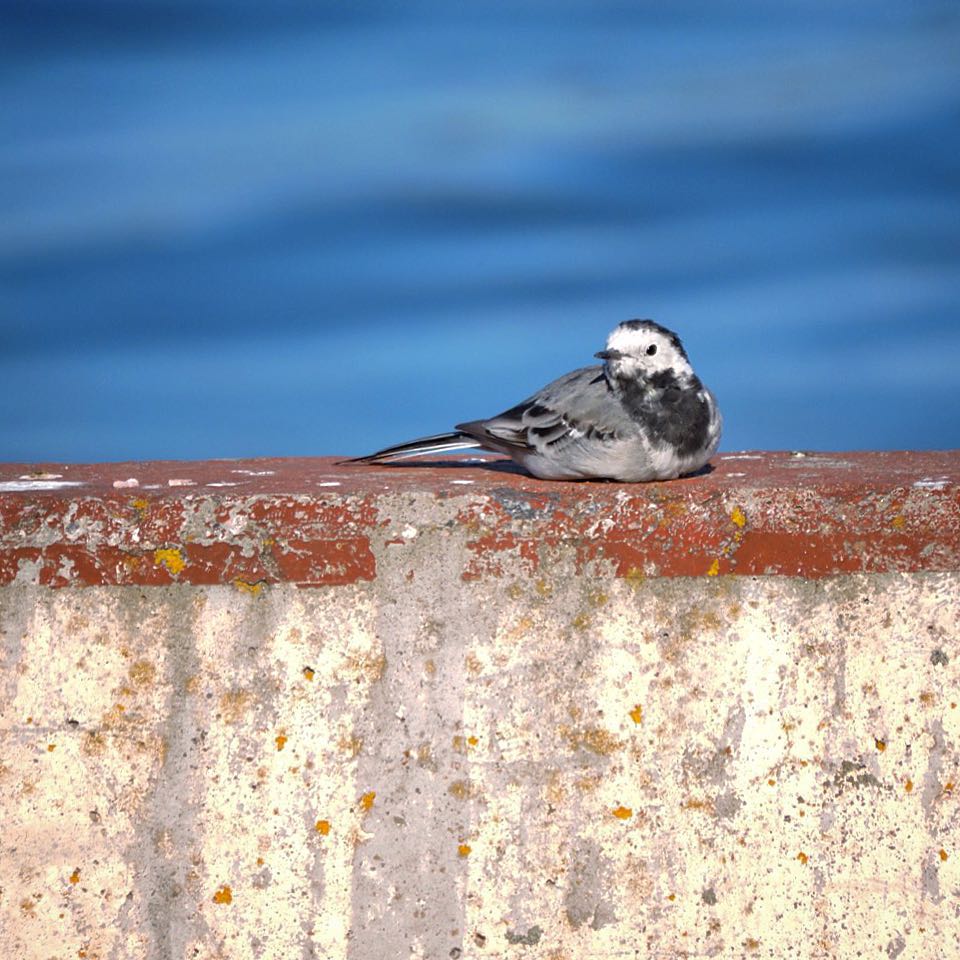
{"x": 281, "y": 709}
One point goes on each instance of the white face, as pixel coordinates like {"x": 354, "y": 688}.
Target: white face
{"x": 639, "y": 350}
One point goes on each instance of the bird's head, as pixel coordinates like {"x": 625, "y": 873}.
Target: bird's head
{"x": 640, "y": 349}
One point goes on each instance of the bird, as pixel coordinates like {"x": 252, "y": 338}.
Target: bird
{"x": 641, "y": 415}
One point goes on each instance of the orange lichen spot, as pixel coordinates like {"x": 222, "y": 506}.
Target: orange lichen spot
{"x": 927, "y": 698}
{"x": 366, "y": 801}
{"x": 29, "y": 719}
{"x": 308, "y": 673}
{"x": 771, "y": 782}
{"x": 908, "y": 785}
{"x": 473, "y": 741}
{"x": 259, "y": 861}
{"x": 245, "y": 586}
{"x": 671, "y": 897}
{"x": 51, "y": 747}
{"x": 280, "y": 740}
{"x": 323, "y": 827}
{"x": 899, "y": 521}
{"x": 223, "y": 895}
{"x": 636, "y": 714}
{"x": 464, "y": 849}
{"x": 802, "y": 857}
{"x": 948, "y": 787}
{"x": 881, "y": 745}
{"x": 623, "y": 813}
{"x": 75, "y": 876}
{"x": 738, "y": 517}
{"x": 170, "y": 558}
{"x": 943, "y": 854}
{"x": 714, "y": 569}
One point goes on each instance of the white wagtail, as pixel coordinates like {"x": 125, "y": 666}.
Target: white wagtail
{"x": 642, "y": 415}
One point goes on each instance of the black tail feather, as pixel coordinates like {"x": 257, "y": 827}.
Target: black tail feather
{"x": 441, "y": 443}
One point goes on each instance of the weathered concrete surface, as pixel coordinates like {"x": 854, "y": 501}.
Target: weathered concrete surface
{"x": 504, "y": 723}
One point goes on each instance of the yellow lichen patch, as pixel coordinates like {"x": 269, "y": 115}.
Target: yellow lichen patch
{"x": 898, "y": 522}
{"x": 171, "y": 558}
{"x": 636, "y": 714}
{"x": 634, "y": 576}
{"x": 751, "y": 944}
{"x": 223, "y": 895}
{"x": 464, "y": 850}
{"x": 543, "y": 588}
{"x": 714, "y": 569}
{"x": 802, "y": 857}
{"x": 881, "y": 745}
{"x": 323, "y": 827}
{"x": 142, "y": 673}
{"x": 943, "y": 854}
{"x": 369, "y": 667}
{"x": 280, "y": 740}
{"x": 308, "y": 673}
{"x": 244, "y": 586}
{"x": 595, "y": 739}
{"x": 461, "y": 789}
{"x": 598, "y": 598}
{"x": 738, "y": 517}
{"x": 141, "y": 504}
{"x": 473, "y": 741}
{"x": 233, "y": 705}
{"x": 366, "y": 801}
{"x": 74, "y": 877}
{"x": 622, "y": 813}
{"x": 581, "y": 621}
{"x": 523, "y": 625}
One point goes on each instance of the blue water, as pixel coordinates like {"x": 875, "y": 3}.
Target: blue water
{"x": 294, "y": 228}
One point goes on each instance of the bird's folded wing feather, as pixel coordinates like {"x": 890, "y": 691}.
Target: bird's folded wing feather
{"x": 577, "y": 405}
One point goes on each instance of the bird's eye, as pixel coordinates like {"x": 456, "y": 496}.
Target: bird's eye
{"x": 651, "y": 350}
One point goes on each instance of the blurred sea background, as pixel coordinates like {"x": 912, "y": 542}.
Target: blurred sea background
{"x": 234, "y": 228}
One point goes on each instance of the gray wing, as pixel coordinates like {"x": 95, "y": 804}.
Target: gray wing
{"x": 578, "y": 405}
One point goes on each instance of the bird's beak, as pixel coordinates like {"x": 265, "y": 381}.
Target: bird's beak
{"x": 608, "y": 354}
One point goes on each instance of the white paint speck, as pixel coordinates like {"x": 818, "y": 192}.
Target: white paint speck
{"x": 741, "y": 456}
{"x": 409, "y": 532}
{"x": 177, "y": 482}
{"x": 41, "y": 476}
{"x": 930, "y": 483}
{"x": 254, "y": 473}
{"x": 736, "y": 474}
{"x": 123, "y": 484}
{"x": 225, "y": 483}
{"x": 329, "y": 483}
{"x": 463, "y": 483}
{"x": 18, "y": 486}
